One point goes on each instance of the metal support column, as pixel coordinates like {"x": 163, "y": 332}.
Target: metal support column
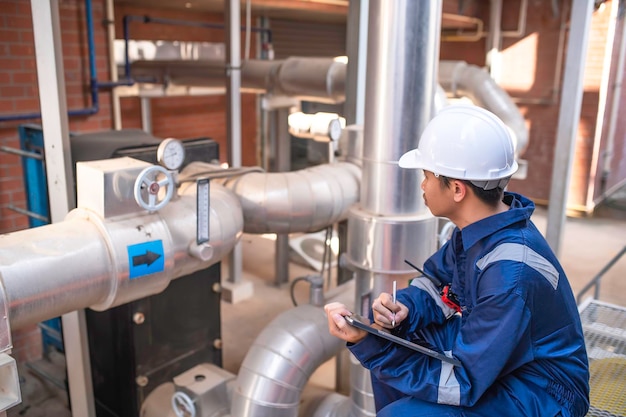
{"x": 146, "y": 114}
{"x": 50, "y": 75}
{"x": 235, "y": 288}
{"x": 354, "y": 112}
{"x": 233, "y": 113}
{"x": 283, "y": 164}
{"x": 356, "y": 47}
{"x": 569, "y": 117}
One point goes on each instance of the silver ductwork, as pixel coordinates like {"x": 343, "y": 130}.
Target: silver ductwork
{"x": 280, "y": 362}
{"x": 83, "y": 261}
{"x": 323, "y": 80}
{"x": 315, "y": 79}
{"x": 391, "y": 223}
{"x": 464, "y": 80}
{"x": 300, "y": 201}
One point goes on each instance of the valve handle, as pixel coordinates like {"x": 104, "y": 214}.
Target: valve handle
{"x": 148, "y": 186}
{"x": 182, "y": 405}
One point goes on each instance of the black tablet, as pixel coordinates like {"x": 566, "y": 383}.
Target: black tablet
{"x": 361, "y": 323}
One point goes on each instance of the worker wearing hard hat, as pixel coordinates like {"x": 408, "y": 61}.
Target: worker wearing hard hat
{"x": 516, "y": 332}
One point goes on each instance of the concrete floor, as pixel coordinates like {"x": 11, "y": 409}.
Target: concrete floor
{"x": 588, "y": 244}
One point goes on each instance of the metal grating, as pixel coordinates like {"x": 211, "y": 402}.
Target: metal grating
{"x": 604, "y": 326}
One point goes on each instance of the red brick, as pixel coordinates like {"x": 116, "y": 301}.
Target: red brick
{"x": 29, "y": 77}
{"x": 19, "y": 22}
{"x": 27, "y": 36}
{"x": 9, "y": 35}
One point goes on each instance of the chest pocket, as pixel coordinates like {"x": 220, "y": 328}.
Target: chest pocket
{"x": 521, "y": 253}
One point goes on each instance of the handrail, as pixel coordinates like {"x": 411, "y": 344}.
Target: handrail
{"x": 596, "y": 280}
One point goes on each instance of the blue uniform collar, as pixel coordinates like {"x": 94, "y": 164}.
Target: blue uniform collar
{"x": 521, "y": 208}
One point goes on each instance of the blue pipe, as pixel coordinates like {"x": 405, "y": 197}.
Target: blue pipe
{"x": 94, "y": 85}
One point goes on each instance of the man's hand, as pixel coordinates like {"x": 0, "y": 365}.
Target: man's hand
{"x": 339, "y": 327}
{"x": 384, "y": 310}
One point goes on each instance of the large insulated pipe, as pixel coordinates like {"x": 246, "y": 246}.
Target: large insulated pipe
{"x": 323, "y": 79}
{"x": 464, "y": 80}
{"x": 300, "y": 201}
{"x": 391, "y": 223}
{"x": 313, "y": 78}
{"x": 83, "y": 261}
{"x": 280, "y": 362}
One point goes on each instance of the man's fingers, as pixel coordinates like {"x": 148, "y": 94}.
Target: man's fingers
{"x": 385, "y": 310}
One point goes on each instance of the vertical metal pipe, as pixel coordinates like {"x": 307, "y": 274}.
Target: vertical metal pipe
{"x": 569, "y": 117}
{"x": 283, "y": 163}
{"x": 146, "y": 114}
{"x": 233, "y": 113}
{"x": 392, "y": 222}
{"x": 356, "y": 47}
{"x": 116, "y": 111}
{"x": 353, "y": 111}
{"x": 494, "y": 40}
{"x": 403, "y": 51}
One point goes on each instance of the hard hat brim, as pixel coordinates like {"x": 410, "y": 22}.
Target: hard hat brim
{"x": 411, "y": 159}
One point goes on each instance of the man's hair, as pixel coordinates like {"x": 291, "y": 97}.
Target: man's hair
{"x": 490, "y": 197}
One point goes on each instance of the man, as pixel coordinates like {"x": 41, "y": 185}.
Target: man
{"x": 518, "y": 334}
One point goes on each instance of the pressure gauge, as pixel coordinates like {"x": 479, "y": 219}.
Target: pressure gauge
{"x": 171, "y": 154}
{"x": 334, "y": 129}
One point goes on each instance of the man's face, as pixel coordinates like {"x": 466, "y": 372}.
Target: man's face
{"x": 437, "y": 196}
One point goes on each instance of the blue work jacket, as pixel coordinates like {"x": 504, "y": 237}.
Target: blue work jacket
{"x": 519, "y": 329}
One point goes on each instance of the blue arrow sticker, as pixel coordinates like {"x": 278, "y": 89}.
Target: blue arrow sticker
{"x": 145, "y": 258}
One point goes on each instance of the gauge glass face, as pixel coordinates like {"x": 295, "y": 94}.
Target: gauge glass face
{"x": 334, "y": 129}
{"x": 171, "y": 154}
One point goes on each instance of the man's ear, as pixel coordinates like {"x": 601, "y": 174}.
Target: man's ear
{"x": 460, "y": 190}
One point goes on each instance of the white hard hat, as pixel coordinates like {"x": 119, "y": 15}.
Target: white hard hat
{"x": 465, "y": 142}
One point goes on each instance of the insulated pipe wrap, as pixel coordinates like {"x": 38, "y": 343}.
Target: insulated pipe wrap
{"x": 312, "y": 77}
{"x": 280, "y": 362}
{"x": 83, "y": 261}
{"x": 51, "y": 270}
{"x": 301, "y": 201}
{"x": 475, "y": 83}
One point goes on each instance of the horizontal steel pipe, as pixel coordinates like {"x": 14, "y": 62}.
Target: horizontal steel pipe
{"x": 83, "y": 261}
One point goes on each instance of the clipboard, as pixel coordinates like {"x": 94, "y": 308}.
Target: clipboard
{"x": 359, "y": 322}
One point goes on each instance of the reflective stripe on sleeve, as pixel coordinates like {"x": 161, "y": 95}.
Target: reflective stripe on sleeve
{"x": 521, "y": 253}
{"x": 425, "y": 284}
{"x": 449, "y": 391}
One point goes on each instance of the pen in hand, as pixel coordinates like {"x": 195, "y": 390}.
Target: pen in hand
{"x": 393, "y": 296}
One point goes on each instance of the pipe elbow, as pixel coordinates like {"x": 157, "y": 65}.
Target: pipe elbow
{"x": 462, "y": 79}
{"x": 300, "y": 201}
{"x": 281, "y": 361}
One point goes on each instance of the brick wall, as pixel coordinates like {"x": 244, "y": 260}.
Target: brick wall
{"x": 530, "y": 73}
{"x": 180, "y": 117}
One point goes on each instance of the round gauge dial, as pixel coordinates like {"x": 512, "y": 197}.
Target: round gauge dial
{"x": 171, "y": 154}
{"x": 334, "y": 129}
